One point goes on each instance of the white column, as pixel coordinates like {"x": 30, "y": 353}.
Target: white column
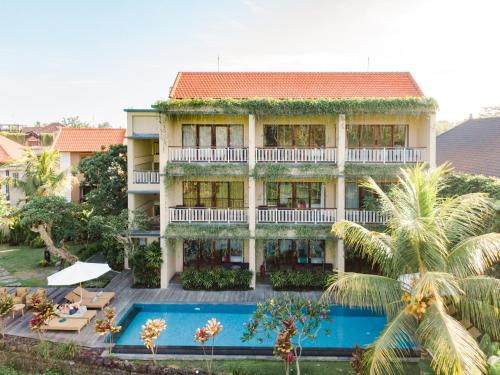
{"x": 341, "y": 143}
{"x": 340, "y": 198}
{"x": 431, "y": 141}
{"x": 164, "y": 195}
{"x": 251, "y": 198}
{"x": 340, "y": 189}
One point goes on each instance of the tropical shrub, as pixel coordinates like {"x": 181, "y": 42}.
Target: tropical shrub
{"x": 432, "y": 258}
{"x": 291, "y": 320}
{"x": 114, "y": 253}
{"x": 462, "y": 183}
{"x": 299, "y": 280}
{"x": 6, "y": 306}
{"x": 146, "y": 265}
{"x": 150, "y": 333}
{"x": 204, "y": 334}
{"x": 107, "y": 326}
{"x": 216, "y": 279}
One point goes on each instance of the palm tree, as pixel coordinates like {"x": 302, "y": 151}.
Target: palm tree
{"x": 41, "y": 175}
{"x": 432, "y": 259}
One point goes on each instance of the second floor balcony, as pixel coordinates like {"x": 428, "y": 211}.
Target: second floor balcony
{"x": 275, "y": 215}
{"x": 146, "y": 177}
{"x": 387, "y": 155}
{"x": 208, "y": 155}
{"x": 295, "y": 155}
{"x": 208, "y": 215}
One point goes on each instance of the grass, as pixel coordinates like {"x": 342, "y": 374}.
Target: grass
{"x": 273, "y": 367}
{"x": 22, "y": 262}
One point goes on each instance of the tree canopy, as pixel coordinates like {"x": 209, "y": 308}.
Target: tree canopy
{"x": 106, "y": 173}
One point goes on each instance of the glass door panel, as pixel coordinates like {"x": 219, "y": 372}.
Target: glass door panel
{"x": 285, "y": 136}
{"x": 351, "y": 195}
{"x": 237, "y": 194}
{"x": 222, "y": 194}
{"x": 285, "y": 195}
{"x": 302, "y": 251}
{"x": 317, "y": 251}
{"x": 366, "y": 136}
{"x": 270, "y": 136}
{"x": 205, "y": 136}
{"x": 189, "y": 136}
{"x": 236, "y": 136}
{"x": 317, "y": 194}
{"x": 318, "y": 138}
{"x": 301, "y": 135}
{"x": 400, "y": 135}
{"x": 302, "y": 195}
{"x": 221, "y": 136}
{"x": 205, "y": 194}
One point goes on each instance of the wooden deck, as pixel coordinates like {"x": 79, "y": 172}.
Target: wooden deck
{"x": 127, "y": 296}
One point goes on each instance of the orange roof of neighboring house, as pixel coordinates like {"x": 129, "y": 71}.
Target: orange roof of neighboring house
{"x": 50, "y": 128}
{"x": 303, "y": 85}
{"x": 9, "y": 150}
{"x": 87, "y": 139}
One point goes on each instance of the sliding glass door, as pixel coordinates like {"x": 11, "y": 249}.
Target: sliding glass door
{"x": 212, "y": 136}
{"x": 214, "y": 194}
{"x": 295, "y": 194}
{"x": 373, "y": 136}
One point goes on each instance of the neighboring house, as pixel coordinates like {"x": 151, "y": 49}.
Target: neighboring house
{"x": 75, "y": 144}
{"x": 10, "y": 152}
{"x": 472, "y": 147}
{"x": 257, "y": 184}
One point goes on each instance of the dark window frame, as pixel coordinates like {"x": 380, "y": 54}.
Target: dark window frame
{"x": 294, "y": 193}
{"x": 376, "y": 130}
{"x": 294, "y": 250}
{"x": 213, "y": 133}
{"x": 294, "y": 137}
{"x": 213, "y": 190}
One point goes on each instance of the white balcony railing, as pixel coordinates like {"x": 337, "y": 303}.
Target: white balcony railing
{"x": 146, "y": 177}
{"x": 365, "y": 216}
{"x": 386, "y": 155}
{"x": 208, "y": 155}
{"x": 296, "y": 155}
{"x": 294, "y": 216}
{"x": 208, "y": 215}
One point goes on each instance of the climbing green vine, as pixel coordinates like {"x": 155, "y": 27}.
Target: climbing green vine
{"x": 377, "y": 171}
{"x": 297, "y": 231}
{"x": 273, "y": 171}
{"x": 206, "y": 231}
{"x": 268, "y": 106}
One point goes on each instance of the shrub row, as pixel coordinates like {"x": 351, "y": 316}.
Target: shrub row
{"x": 216, "y": 279}
{"x": 299, "y": 280}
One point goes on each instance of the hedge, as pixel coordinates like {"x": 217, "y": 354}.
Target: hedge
{"x": 299, "y": 280}
{"x": 216, "y": 279}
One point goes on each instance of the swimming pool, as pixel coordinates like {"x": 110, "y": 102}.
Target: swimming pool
{"x": 349, "y": 327}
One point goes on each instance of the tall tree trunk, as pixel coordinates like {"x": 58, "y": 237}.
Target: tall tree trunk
{"x": 59, "y": 252}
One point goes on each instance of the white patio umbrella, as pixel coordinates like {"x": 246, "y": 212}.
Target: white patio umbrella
{"x": 78, "y": 273}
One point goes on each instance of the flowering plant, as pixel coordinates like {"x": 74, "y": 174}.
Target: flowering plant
{"x": 107, "y": 326}
{"x": 150, "y": 333}
{"x": 45, "y": 311}
{"x": 292, "y": 320}
{"x": 6, "y": 305}
{"x": 202, "y": 335}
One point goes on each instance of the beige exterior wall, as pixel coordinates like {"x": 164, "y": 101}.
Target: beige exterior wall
{"x": 421, "y": 134}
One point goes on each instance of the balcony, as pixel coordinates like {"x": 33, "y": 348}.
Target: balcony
{"x": 146, "y": 177}
{"x": 296, "y": 155}
{"x": 208, "y": 155}
{"x": 276, "y": 215}
{"x": 400, "y": 155}
{"x": 207, "y": 215}
{"x": 365, "y": 216}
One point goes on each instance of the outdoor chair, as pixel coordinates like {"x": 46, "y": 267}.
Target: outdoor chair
{"x": 19, "y": 296}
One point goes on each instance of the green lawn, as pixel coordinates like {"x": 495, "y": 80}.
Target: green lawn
{"x": 23, "y": 263}
{"x": 273, "y": 367}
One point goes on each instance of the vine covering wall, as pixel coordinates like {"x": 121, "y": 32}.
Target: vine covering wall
{"x": 268, "y": 106}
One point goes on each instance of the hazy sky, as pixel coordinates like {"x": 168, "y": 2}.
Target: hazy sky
{"x": 92, "y": 58}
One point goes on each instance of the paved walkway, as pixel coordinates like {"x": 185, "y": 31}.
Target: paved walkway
{"x": 7, "y": 279}
{"x": 126, "y": 296}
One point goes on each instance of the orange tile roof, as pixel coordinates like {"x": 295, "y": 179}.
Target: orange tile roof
{"x": 87, "y": 139}
{"x": 303, "y": 85}
{"x": 10, "y": 150}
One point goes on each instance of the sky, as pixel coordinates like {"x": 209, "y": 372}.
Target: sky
{"x": 93, "y": 58}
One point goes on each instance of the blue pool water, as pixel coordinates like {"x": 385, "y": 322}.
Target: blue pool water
{"x": 349, "y": 326}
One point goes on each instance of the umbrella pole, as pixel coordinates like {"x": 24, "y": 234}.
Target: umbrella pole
{"x": 81, "y": 294}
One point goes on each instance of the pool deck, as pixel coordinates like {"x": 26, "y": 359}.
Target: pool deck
{"x": 126, "y": 296}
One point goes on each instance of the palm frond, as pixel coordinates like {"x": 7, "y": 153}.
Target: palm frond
{"x": 364, "y": 290}
{"x": 438, "y": 284}
{"x": 482, "y": 315}
{"x": 474, "y": 255}
{"x": 382, "y": 357}
{"x": 375, "y": 246}
{"x": 453, "y": 350}
{"x": 465, "y": 216}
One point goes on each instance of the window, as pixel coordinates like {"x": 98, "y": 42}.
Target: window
{"x": 358, "y": 197}
{"x": 373, "y": 136}
{"x": 225, "y": 251}
{"x": 294, "y": 136}
{"x": 213, "y": 194}
{"x": 295, "y": 194}
{"x": 212, "y": 136}
{"x": 294, "y": 251}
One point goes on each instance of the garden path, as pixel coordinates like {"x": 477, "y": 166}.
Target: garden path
{"x": 7, "y": 279}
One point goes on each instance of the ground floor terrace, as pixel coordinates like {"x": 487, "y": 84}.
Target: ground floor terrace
{"x": 126, "y": 296}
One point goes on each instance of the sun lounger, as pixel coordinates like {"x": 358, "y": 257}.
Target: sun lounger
{"x": 88, "y": 294}
{"x": 82, "y": 313}
{"x": 62, "y": 324}
{"x": 94, "y": 302}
